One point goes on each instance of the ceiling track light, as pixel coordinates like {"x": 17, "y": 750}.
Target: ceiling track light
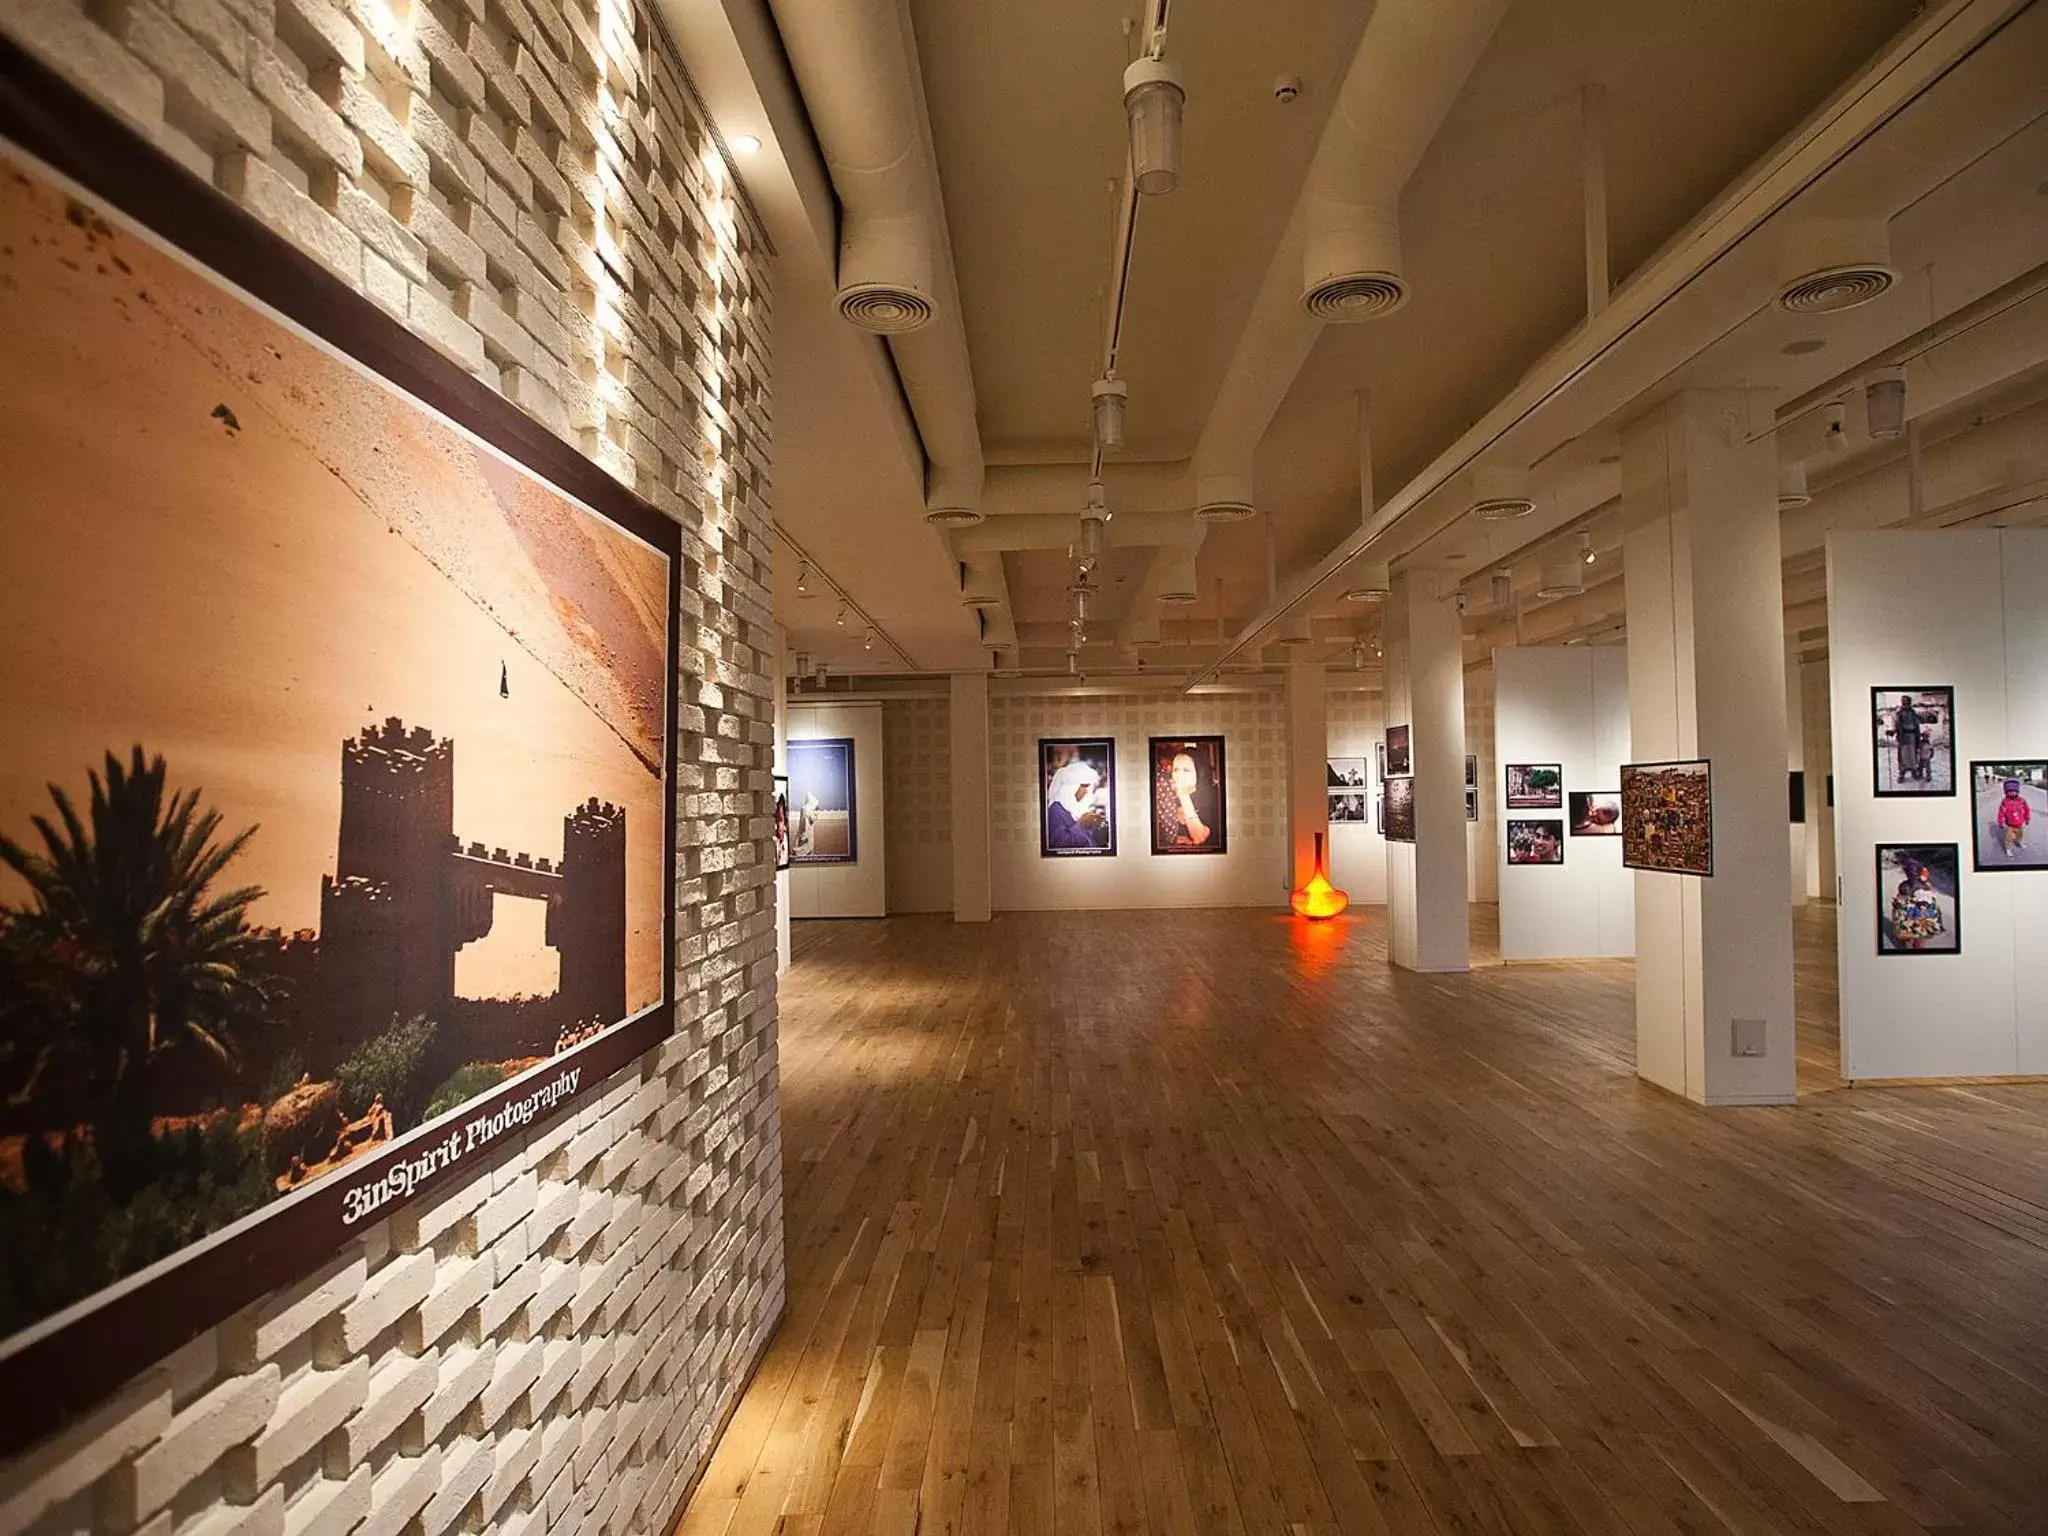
{"x": 1884, "y": 406}
{"x": 1586, "y": 546}
{"x": 1503, "y": 589}
{"x": 840, "y": 617}
{"x": 868, "y": 641}
{"x": 1154, "y": 101}
{"x": 803, "y": 579}
{"x": 1111, "y": 395}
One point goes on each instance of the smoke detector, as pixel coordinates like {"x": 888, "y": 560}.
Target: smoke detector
{"x": 1827, "y": 266}
{"x": 1500, "y": 495}
{"x": 1351, "y": 263}
{"x": 953, "y": 517}
{"x": 1792, "y": 491}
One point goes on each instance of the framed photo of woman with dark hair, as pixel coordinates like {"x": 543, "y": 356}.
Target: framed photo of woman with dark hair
{"x": 1188, "y": 809}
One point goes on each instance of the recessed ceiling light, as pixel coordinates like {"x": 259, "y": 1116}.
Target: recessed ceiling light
{"x": 1804, "y": 346}
{"x": 745, "y": 144}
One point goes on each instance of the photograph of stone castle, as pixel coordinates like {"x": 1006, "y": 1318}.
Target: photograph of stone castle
{"x": 333, "y": 760}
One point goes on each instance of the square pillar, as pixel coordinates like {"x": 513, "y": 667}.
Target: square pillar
{"x": 1428, "y": 917}
{"x": 1308, "y": 784}
{"x": 972, "y": 891}
{"x": 1706, "y": 657}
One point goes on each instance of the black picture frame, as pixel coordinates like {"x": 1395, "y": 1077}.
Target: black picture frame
{"x": 1645, "y": 844}
{"x": 1211, "y": 797}
{"x": 1098, "y": 755}
{"x": 1471, "y": 803}
{"x": 1379, "y": 752}
{"x": 1400, "y": 805}
{"x": 781, "y": 812}
{"x": 1795, "y": 797}
{"x": 1989, "y": 854}
{"x": 1400, "y": 762}
{"x": 1550, "y": 798}
{"x": 1550, "y": 828}
{"x": 827, "y": 763}
{"x": 1471, "y": 771}
{"x": 1887, "y": 759}
{"x": 70, "y": 1361}
{"x": 1893, "y": 907}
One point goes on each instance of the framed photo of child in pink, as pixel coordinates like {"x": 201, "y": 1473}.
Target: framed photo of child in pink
{"x": 2009, "y": 802}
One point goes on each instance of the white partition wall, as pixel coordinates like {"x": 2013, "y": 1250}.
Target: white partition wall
{"x": 1566, "y": 705}
{"x": 1967, "y": 610}
{"x": 1358, "y": 853}
{"x": 859, "y": 889}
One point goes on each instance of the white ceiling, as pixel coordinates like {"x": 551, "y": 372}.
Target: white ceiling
{"x": 1026, "y": 121}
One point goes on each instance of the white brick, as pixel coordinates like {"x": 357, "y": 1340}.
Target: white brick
{"x": 329, "y": 1507}
{"x": 309, "y": 1410}
{"x": 263, "y": 1518}
{"x": 291, "y": 213}
{"x": 435, "y": 322}
{"x": 514, "y": 1455}
{"x": 559, "y": 1360}
{"x": 517, "y": 1369}
{"x": 231, "y": 1413}
{"x": 387, "y": 1296}
{"x": 464, "y": 1472}
{"x": 509, "y": 1296}
{"x": 263, "y": 1329}
{"x": 459, "y": 1285}
{"x": 464, "y": 1373}
{"x": 399, "y": 1491}
{"x": 70, "y": 1462}
{"x": 196, "y": 85}
{"x": 399, "y": 1387}
{"x": 302, "y": 118}
{"x": 502, "y": 1211}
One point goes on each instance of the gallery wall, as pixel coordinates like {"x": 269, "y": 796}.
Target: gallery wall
{"x": 859, "y": 888}
{"x": 552, "y": 1343}
{"x": 1966, "y": 610}
{"x": 917, "y": 803}
{"x": 1566, "y": 705}
{"x": 1251, "y": 872}
{"x": 1358, "y": 849}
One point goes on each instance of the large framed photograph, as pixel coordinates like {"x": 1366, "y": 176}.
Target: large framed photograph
{"x": 1400, "y": 753}
{"x": 1595, "y": 813}
{"x": 1077, "y": 798}
{"x": 1667, "y": 817}
{"x": 1919, "y": 899}
{"x": 1188, "y": 786}
{"x": 826, "y": 829}
{"x": 2010, "y": 801}
{"x": 1400, "y": 820}
{"x": 1913, "y": 741}
{"x": 1539, "y": 841}
{"x": 781, "y": 821}
{"x": 1535, "y": 787}
{"x": 337, "y": 805}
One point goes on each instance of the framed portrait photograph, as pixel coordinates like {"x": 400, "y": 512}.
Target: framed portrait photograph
{"x": 1471, "y": 804}
{"x": 1596, "y": 813}
{"x": 781, "y": 821}
{"x": 1347, "y": 805}
{"x": 1667, "y": 817}
{"x": 1535, "y": 787}
{"x": 826, "y": 824}
{"x": 1077, "y": 798}
{"x": 1913, "y": 741}
{"x": 1188, "y": 800}
{"x": 1471, "y": 772}
{"x": 1344, "y": 773}
{"x": 355, "y": 785}
{"x": 1400, "y": 753}
{"x": 1400, "y": 796}
{"x": 1539, "y": 841}
{"x": 2010, "y": 803}
{"x": 1919, "y": 899}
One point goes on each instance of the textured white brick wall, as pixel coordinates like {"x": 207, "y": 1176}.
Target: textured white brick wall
{"x": 531, "y": 186}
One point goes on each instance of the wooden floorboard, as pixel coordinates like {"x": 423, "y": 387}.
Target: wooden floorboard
{"x": 1211, "y": 1223}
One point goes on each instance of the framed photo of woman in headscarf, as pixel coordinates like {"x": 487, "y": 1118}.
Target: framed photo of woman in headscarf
{"x": 1187, "y": 794}
{"x": 1077, "y": 798}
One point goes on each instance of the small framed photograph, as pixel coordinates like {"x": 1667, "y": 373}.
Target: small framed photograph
{"x": 1077, "y": 798}
{"x": 1536, "y": 842}
{"x": 781, "y": 821}
{"x": 1400, "y": 796}
{"x": 1913, "y": 741}
{"x": 1379, "y": 752}
{"x": 1379, "y": 811}
{"x": 1596, "y": 813}
{"x": 1400, "y": 755}
{"x": 1919, "y": 899}
{"x": 1471, "y": 804}
{"x": 1347, "y": 805}
{"x": 2010, "y": 801}
{"x": 1795, "y": 798}
{"x": 1535, "y": 787}
{"x": 1344, "y": 773}
{"x": 1471, "y": 772}
{"x": 1667, "y": 817}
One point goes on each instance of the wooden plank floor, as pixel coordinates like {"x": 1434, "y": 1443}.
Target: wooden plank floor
{"x": 1211, "y": 1222}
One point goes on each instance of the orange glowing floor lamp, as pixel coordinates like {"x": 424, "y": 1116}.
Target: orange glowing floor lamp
{"x": 1319, "y": 898}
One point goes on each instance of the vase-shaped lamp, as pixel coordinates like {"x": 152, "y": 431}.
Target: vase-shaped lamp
{"x": 1318, "y": 898}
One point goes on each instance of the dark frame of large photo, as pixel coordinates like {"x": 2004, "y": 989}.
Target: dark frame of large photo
{"x": 131, "y": 198}
{"x": 1202, "y": 752}
{"x": 1639, "y": 850}
{"x": 1400, "y": 810}
{"x": 1892, "y": 763}
{"x": 1087, "y": 763}
{"x": 1990, "y": 853}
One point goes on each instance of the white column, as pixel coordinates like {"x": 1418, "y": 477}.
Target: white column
{"x": 1429, "y": 920}
{"x": 1706, "y": 659}
{"x": 1308, "y": 743}
{"x": 972, "y": 892}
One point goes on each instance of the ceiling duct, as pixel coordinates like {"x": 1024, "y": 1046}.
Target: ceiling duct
{"x": 1295, "y": 629}
{"x": 1792, "y": 491}
{"x": 1176, "y": 580}
{"x": 1829, "y": 265}
{"x": 1351, "y": 263}
{"x": 953, "y": 517}
{"x": 1373, "y": 584}
{"x": 1564, "y": 574}
{"x": 1500, "y": 495}
{"x": 885, "y": 275}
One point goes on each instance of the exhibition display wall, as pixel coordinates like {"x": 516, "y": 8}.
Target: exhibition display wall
{"x": 845, "y": 874}
{"x": 1943, "y": 937}
{"x": 479, "y": 1328}
{"x": 1249, "y": 870}
{"x": 1358, "y": 849}
{"x": 917, "y": 803}
{"x": 1561, "y": 709}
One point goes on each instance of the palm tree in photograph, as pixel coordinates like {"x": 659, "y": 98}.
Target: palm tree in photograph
{"x": 125, "y": 949}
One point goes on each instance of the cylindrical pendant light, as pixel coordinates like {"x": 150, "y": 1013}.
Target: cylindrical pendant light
{"x": 1153, "y": 102}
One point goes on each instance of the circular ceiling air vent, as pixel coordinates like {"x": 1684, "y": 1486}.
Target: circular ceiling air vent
{"x": 1833, "y": 289}
{"x": 1224, "y": 512}
{"x": 953, "y": 517}
{"x": 1354, "y": 296}
{"x": 1180, "y": 597}
{"x": 885, "y": 307}
{"x": 976, "y": 600}
{"x": 1502, "y": 509}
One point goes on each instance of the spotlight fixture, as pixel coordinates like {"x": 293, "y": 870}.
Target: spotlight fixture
{"x": 1884, "y": 406}
{"x": 840, "y": 617}
{"x": 1586, "y": 546}
{"x": 1089, "y": 550}
{"x": 1503, "y": 589}
{"x": 868, "y": 641}
{"x": 1154, "y": 100}
{"x": 1110, "y": 395}
{"x": 803, "y": 579}
{"x": 1836, "y": 433}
